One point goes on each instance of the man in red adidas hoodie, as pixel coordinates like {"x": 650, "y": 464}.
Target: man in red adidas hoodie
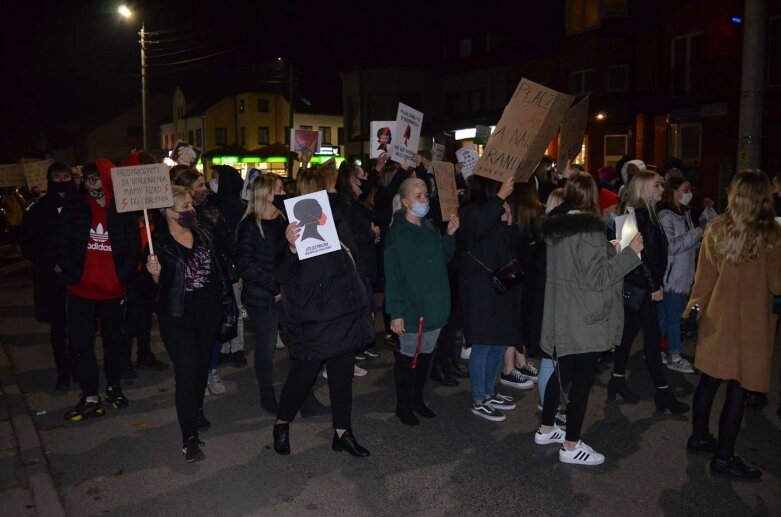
{"x": 98, "y": 254}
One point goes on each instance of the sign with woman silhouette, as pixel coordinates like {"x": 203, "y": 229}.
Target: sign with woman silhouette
{"x": 318, "y": 231}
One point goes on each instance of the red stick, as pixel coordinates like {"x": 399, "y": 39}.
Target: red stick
{"x": 420, "y": 340}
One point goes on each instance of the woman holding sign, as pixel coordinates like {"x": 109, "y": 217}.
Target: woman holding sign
{"x": 196, "y": 306}
{"x": 417, "y": 293}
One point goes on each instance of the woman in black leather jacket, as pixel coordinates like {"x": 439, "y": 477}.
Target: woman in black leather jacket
{"x": 261, "y": 236}
{"x": 644, "y": 191}
{"x": 195, "y": 307}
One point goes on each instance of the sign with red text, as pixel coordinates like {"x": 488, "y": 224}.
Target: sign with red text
{"x": 573, "y": 129}
{"x": 528, "y": 124}
{"x": 313, "y": 214}
{"x": 140, "y": 187}
{"x": 404, "y": 148}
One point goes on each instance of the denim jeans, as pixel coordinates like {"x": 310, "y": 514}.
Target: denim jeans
{"x": 547, "y": 367}
{"x": 670, "y": 312}
{"x": 485, "y": 361}
{"x": 408, "y": 342}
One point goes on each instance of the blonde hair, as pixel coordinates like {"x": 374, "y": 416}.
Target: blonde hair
{"x": 310, "y": 180}
{"x": 555, "y": 198}
{"x": 262, "y": 186}
{"x": 177, "y": 192}
{"x": 582, "y": 194}
{"x": 404, "y": 189}
{"x": 748, "y": 226}
{"x": 637, "y": 192}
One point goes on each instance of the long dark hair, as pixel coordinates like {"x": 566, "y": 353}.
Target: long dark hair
{"x": 479, "y": 189}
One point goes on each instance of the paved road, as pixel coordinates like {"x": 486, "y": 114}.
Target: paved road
{"x": 129, "y": 462}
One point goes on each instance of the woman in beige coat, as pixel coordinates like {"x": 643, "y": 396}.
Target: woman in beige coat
{"x": 738, "y": 273}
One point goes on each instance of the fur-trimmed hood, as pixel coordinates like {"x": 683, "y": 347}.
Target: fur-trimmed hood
{"x": 557, "y": 227}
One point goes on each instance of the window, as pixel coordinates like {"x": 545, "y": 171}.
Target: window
{"x": 465, "y": 48}
{"x": 241, "y": 106}
{"x": 617, "y": 78}
{"x": 305, "y": 127}
{"x": 582, "y": 15}
{"x": 476, "y": 99}
{"x": 774, "y": 52}
{"x": 339, "y": 135}
{"x": 262, "y": 135}
{"x": 685, "y": 141}
{"x": 615, "y": 148}
{"x": 220, "y": 136}
{"x": 198, "y": 138}
{"x": 190, "y": 137}
{"x": 581, "y": 82}
{"x": 243, "y": 135}
{"x": 687, "y": 57}
{"x": 325, "y": 134}
{"x": 135, "y": 131}
{"x": 262, "y": 105}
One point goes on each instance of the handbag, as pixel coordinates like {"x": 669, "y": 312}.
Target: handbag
{"x": 634, "y": 296}
{"x": 504, "y": 277}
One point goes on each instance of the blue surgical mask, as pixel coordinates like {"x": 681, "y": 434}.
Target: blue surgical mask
{"x": 612, "y": 217}
{"x": 419, "y": 209}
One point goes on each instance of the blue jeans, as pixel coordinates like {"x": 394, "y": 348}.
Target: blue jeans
{"x": 670, "y": 311}
{"x": 485, "y": 361}
{"x": 547, "y": 367}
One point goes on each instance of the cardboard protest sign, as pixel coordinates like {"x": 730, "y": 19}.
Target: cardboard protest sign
{"x": 527, "y": 126}
{"x": 437, "y": 152}
{"x": 35, "y": 174}
{"x": 318, "y": 229}
{"x": 185, "y": 154}
{"x": 11, "y": 175}
{"x": 404, "y": 148}
{"x": 304, "y": 140}
{"x": 140, "y": 187}
{"x": 573, "y": 128}
{"x": 467, "y": 157}
{"x": 445, "y": 177}
{"x": 381, "y": 136}
{"x": 481, "y": 134}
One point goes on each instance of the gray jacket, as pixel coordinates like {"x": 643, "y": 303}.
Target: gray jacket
{"x": 682, "y": 243}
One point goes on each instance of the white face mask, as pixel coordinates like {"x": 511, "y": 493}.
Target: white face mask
{"x": 213, "y": 185}
{"x": 686, "y": 198}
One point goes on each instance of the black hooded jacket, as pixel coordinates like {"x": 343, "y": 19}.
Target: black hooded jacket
{"x": 228, "y": 196}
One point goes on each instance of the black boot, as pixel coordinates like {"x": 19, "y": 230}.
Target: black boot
{"x": 617, "y": 385}
{"x": 734, "y": 467}
{"x": 282, "y": 438}
{"x": 419, "y": 379}
{"x": 666, "y": 401}
{"x": 201, "y": 422}
{"x": 442, "y": 376}
{"x": 455, "y": 368}
{"x": 404, "y": 390}
{"x": 268, "y": 400}
{"x": 348, "y": 443}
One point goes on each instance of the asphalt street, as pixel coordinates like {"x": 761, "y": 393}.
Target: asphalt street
{"x": 129, "y": 462}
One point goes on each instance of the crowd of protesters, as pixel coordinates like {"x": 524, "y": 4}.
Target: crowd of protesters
{"x": 523, "y": 270}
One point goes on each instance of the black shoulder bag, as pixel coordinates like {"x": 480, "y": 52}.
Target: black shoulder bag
{"x": 504, "y": 277}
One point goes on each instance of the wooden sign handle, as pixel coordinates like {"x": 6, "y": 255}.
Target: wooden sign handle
{"x": 148, "y": 233}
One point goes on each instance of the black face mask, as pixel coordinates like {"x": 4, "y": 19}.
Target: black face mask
{"x": 62, "y": 187}
{"x": 279, "y": 202}
{"x": 186, "y": 219}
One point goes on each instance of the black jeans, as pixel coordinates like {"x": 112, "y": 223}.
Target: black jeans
{"x": 265, "y": 322}
{"x": 446, "y": 345}
{"x": 577, "y": 371}
{"x": 64, "y": 359}
{"x": 138, "y": 321}
{"x": 648, "y": 320}
{"x": 731, "y": 413}
{"x": 82, "y": 314}
{"x": 189, "y": 342}
{"x": 303, "y": 373}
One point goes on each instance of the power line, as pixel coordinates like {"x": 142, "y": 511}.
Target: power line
{"x": 151, "y": 54}
{"x": 157, "y": 65}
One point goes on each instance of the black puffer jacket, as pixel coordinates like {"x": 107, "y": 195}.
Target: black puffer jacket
{"x": 256, "y": 260}
{"x": 326, "y": 307}
{"x": 360, "y": 219}
{"x": 171, "y": 287}
{"x": 650, "y": 274}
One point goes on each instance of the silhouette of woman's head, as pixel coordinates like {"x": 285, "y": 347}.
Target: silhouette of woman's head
{"x": 310, "y": 215}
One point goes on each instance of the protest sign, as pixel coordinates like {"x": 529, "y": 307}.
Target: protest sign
{"x": 481, "y": 134}
{"x": 626, "y": 228}
{"x": 437, "y": 152}
{"x": 35, "y": 174}
{"x": 185, "y": 154}
{"x": 527, "y": 126}
{"x": 573, "y": 128}
{"x": 467, "y": 157}
{"x": 304, "y": 140}
{"x": 318, "y": 230}
{"x": 446, "y": 188}
{"x": 141, "y": 187}
{"x": 404, "y": 148}
{"x": 381, "y": 136}
{"x": 11, "y": 175}
{"x": 246, "y": 189}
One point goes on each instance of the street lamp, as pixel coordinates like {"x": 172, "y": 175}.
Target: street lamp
{"x": 126, "y": 13}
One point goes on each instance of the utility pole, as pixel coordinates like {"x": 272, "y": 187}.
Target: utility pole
{"x": 292, "y": 108}
{"x": 752, "y": 85}
{"x": 144, "y": 120}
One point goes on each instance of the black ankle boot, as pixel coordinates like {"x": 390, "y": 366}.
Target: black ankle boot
{"x": 404, "y": 390}
{"x": 348, "y": 443}
{"x": 454, "y": 368}
{"x": 442, "y": 376}
{"x": 617, "y": 385}
{"x": 665, "y": 400}
{"x": 201, "y": 422}
{"x": 282, "y": 438}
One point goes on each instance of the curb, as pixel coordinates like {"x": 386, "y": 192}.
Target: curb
{"x": 36, "y": 467}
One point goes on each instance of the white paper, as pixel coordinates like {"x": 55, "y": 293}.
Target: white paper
{"x": 778, "y": 220}
{"x": 467, "y": 157}
{"x": 437, "y": 152}
{"x": 626, "y": 228}
{"x": 381, "y": 136}
{"x": 404, "y": 148}
{"x": 318, "y": 234}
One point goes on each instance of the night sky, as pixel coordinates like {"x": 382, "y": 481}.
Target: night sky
{"x": 72, "y": 64}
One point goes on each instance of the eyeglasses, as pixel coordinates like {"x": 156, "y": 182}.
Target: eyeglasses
{"x": 91, "y": 179}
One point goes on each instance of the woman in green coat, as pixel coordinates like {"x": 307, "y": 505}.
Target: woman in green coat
{"x": 416, "y": 292}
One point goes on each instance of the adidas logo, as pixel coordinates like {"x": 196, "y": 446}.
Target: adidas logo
{"x": 99, "y": 237}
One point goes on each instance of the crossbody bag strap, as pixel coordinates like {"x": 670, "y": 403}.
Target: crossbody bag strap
{"x": 479, "y": 262}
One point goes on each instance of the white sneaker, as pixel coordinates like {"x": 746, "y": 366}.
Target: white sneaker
{"x": 466, "y": 351}
{"x": 582, "y": 454}
{"x": 214, "y": 384}
{"x": 681, "y": 365}
{"x": 359, "y": 372}
{"x": 488, "y": 412}
{"x": 500, "y": 402}
{"x": 280, "y": 345}
{"x": 665, "y": 359}
{"x": 556, "y": 435}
